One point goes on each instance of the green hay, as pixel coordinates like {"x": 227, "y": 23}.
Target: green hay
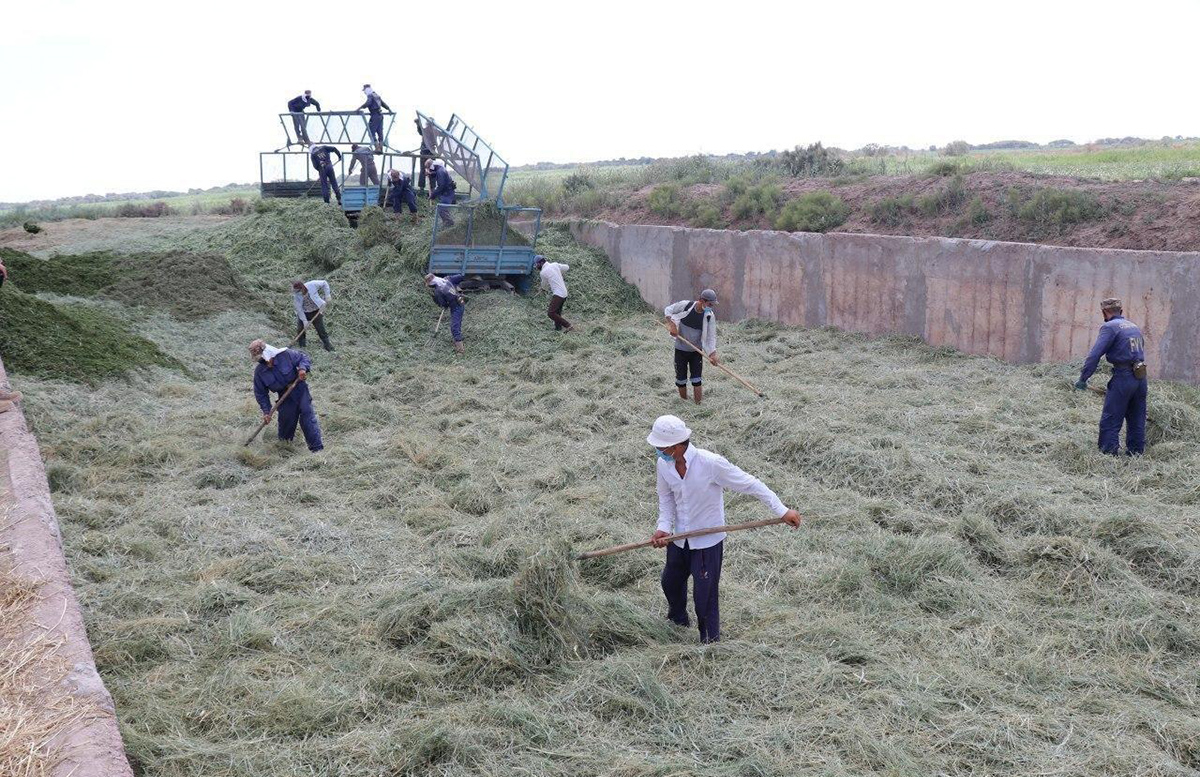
{"x": 975, "y": 589}
{"x": 186, "y": 285}
{"x": 487, "y": 228}
{"x": 70, "y": 342}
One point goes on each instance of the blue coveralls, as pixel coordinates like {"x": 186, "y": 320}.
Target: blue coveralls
{"x": 324, "y": 167}
{"x": 400, "y": 194}
{"x": 443, "y": 191}
{"x": 375, "y": 104}
{"x": 1121, "y": 342}
{"x": 296, "y": 107}
{"x": 449, "y": 300}
{"x": 277, "y": 376}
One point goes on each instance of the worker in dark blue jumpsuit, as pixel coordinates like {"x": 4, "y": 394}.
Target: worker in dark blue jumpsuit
{"x": 276, "y": 369}
{"x": 296, "y": 107}
{"x": 442, "y": 190}
{"x": 400, "y": 192}
{"x": 1121, "y": 342}
{"x": 376, "y": 106}
{"x": 324, "y": 167}
{"x": 448, "y": 297}
{"x": 428, "y": 143}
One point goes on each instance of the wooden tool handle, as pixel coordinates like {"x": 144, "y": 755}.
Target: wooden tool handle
{"x": 681, "y": 536}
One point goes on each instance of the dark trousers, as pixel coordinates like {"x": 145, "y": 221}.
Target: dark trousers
{"x": 319, "y": 325}
{"x": 328, "y": 181}
{"x": 456, "y": 315}
{"x": 301, "y": 125}
{"x": 1124, "y": 404}
{"x": 395, "y": 199}
{"x": 688, "y": 361}
{"x": 298, "y": 409}
{"x": 444, "y": 212}
{"x": 368, "y": 172}
{"x": 704, "y": 567}
{"x": 555, "y": 312}
{"x": 375, "y": 127}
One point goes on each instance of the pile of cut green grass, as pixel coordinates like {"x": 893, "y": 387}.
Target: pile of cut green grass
{"x": 976, "y": 590}
{"x": 69, "y": 342}
{"x": 186, "y": 285}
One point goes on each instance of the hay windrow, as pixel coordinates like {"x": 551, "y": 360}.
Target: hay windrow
{"x": 976, "y": 590}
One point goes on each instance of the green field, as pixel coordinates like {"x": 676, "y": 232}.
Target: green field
{"x": 975, "y": 590}
{"x": 184, "y": 204}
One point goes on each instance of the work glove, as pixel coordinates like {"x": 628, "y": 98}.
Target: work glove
{"x": 1081, "y": 385}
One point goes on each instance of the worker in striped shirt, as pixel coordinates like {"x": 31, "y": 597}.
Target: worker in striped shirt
{"x": 691, "y": 488}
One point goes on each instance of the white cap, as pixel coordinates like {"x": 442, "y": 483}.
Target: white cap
{"x": 668, "y": 430}
{"x": 270, "y": 352}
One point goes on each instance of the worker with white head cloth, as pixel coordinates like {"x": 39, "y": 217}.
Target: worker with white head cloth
{"x": 691, "y": 487}
{"x": 275, "y": 370}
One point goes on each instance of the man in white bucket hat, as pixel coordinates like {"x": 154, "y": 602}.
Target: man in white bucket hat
{"x": 691, "y": 487}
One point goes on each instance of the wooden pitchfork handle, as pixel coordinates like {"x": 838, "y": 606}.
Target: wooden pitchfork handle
{"x": 284, "y": 396}
{"x": 307, "y": 324}
{"x": 680, "y": 536}
{"x": 718, "y": 365}
{"x": 436, "y": 329}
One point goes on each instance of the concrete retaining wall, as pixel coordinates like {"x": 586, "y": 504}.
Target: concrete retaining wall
{"x": 29, "y": 531}
{"x": 1017, "y": 301}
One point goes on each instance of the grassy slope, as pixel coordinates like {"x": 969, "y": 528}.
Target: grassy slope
{"x": 976, "y": 590}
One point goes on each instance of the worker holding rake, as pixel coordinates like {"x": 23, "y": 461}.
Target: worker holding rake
{"x": 691, "y": 487}
{"x": 696, "y": 322}
{"x": 285, "y": 372}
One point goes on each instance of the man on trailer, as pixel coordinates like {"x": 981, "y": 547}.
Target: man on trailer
{"x": 400, "y": 192}
{"x": 376, "y": 106}
{"x": 691, "y": 487}
{"x": 296, "y": 107}
{"x": 324, "y": 167}
{"x": 364, "y": 157}
{"x": 442, "y": 190}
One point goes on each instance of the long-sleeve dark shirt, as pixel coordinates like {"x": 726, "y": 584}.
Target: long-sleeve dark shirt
{"x": 298, "y": 104}
{"x": 372, "y": 104}
{"x": 1120, "y": 340}
{"x": 442, "y": 183}
{"x": 278, "y": 375}
{"x": 445, "y": 294}
{"x": 320, "y": 156}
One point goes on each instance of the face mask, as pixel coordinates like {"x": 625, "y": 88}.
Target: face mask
{"x": 664, "y": 456}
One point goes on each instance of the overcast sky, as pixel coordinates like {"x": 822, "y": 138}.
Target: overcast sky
{"x": 132, "y": 96}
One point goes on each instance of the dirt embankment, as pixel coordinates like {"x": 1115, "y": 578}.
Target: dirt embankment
{"x": 1147, "y": 215}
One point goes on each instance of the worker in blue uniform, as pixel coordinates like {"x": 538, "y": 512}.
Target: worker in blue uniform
{"x": 319, "y": 155}
{"x": 278, "y": 368}
{"x": 376, "y": 106}
{"x": 296, "y": 107}
{"x": 441, "y": 190}
{"x": 448, "y": 297}
{"x": 400, "y": 192}
{"x": 1120, "y": 342}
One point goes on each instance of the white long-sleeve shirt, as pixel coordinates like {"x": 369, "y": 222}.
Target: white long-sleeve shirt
{"x": 315, "y": 289}
{"x": 677, "y": 311}
{"x": 697, "y": 500}
{"x": 552, "y": 275}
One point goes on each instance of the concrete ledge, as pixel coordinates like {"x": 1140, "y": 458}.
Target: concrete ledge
{"x": 29, "y": 533}
{"x": 1020, "y": 302}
